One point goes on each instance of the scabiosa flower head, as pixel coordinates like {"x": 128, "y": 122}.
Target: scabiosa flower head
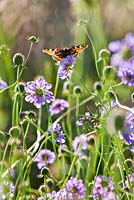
{"x": 129, "y": 120}
{"x": 59, "y": 195}
{"x": 81, "y": 121}
{"x": 126, "y": 74}
{"x": 103, "y": 188}
{"x": 115, "y": 46}
{"x": 122, "y": 51}
{"x": 59, "y": 136}
{"x": 45, "y": 158}
{"x": 128, "y": 136}
{"x": 66, "y": 67}
{"x": 75, "y": 189}
{"x": 3, "y": 84}
{"x": 37, "y": 92}
{"x": 58, "y": 106}
{"x": 80, "y": 144}
{"x": 129, "y": 40}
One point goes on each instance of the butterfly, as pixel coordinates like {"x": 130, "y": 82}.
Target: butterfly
{"x": 59, "y": 54}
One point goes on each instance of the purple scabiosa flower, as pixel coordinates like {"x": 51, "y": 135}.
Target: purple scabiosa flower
{"x": 122, "y": 51}
{"x": 66, "y": 67}
{"x": 3, "y": 84}
{"x": 81, "y": 121}
{"x": 58, "y": 106}
{"x": 37, "y": 92}
{"x": 128, "y": 136}
{"x": 129, "y": 120}
{"x": 115, "y": 46}
{"x": 45, "y": 158}
{"x": 103, "y": 188}
{"x": 126, "y": 74}
{"x": 59, "y": 195}
{"x": 59, "y": 136}
{"x": 80, "y": 144}
{"x": 129, "y": 40}
{"x": 75, "y": 189}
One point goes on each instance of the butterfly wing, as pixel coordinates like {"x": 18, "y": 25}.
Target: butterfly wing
{"x": 59, "y": 54}
{"x": 55, "y": 53}
{"x": 77, "y": 49}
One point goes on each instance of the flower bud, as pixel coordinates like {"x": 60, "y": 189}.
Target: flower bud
{"x": 33, "y": 39}
{"x": 20, "y": 87}
{"x": 119, "y": 122}
{"x": 50, "y": 183}
{"x": 45, "y": 171}
{"x": 77, "y": 90}
{"x": 15, "y": 131}
{"x": 82, "y": 22}
{"x": 18, "y": 59}
{"x": 32, "y": 115}
{"x": 109, "y": 72}
{"x": 97, "y": 86}
{"x": 104, "y": 53}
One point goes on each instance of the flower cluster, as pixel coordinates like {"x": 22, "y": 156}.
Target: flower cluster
{"x": 81, "y": 121}
{"x": 128, "y": 133}
{"x": 37, "y": 92}
{"x": 59, "y": 136}
{"x": 58, "y": 106}
{"x": 74, "y": 189}
{"x": 122, "y": 58}
{"x": 66, "y": 67}
{"x": 45, "y": 158}
{"x": 103, "y": 188}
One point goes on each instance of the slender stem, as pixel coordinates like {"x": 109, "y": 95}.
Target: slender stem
{"x": 4, "y": 155}
{"x": 70, "y": 170}
{"x": 56, "y": 86}
{"x": 31, "y": 45}
{"x": 94, "y": 50}
{"x": 25, "y": 136}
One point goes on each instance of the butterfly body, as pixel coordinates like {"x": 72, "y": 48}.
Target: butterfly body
{"x": 59, "y": 54}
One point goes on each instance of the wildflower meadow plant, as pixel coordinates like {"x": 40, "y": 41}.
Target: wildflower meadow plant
{"x": 68, "y": 140}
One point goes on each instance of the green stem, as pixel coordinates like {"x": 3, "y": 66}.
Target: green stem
{"x": 70, "y": 170}
{"x": 31, "y": 45}
{"x": 4, "y": 154}
{"x": 94, "y": 50}
{"x": 56, "y": 86}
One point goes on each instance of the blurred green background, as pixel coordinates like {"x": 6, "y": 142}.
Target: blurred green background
{"x": 55, "y": 22}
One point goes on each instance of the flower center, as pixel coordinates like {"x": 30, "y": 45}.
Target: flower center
{"x": 39, "y": 92}
{"x": 126, "y": 54}
{"x": 128, "y": 77}
{"x": 74, "y": 190}
{"x": 45, "y": 157}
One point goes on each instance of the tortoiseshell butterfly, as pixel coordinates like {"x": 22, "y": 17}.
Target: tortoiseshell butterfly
{"x": 59, "y": 54}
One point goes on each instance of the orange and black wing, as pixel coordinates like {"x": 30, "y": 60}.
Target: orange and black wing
{"x": 59, "y": 54}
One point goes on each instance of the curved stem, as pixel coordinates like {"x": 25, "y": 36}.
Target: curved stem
{"x": 95, "y": 55}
